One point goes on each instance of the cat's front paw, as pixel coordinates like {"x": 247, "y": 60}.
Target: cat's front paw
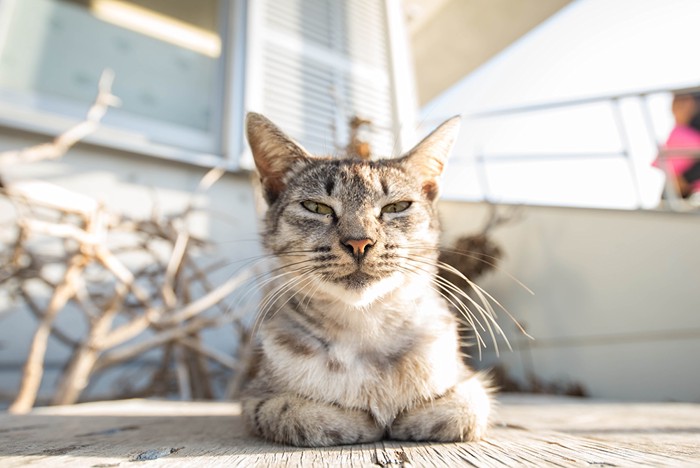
{"x": 460, "y": 415}
{"x": 291, "y": 420}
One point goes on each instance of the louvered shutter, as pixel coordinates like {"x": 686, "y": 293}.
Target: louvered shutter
{"x": 314, "y": 64}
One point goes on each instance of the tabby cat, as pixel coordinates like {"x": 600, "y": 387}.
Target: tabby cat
{"x": 356, "y": 343}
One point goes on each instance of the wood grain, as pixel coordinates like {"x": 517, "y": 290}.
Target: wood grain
{"x": 529, "y": 431}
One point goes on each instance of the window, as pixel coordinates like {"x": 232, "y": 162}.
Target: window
{"x": 166, "y": 55}
{"x": 187, "y": 71}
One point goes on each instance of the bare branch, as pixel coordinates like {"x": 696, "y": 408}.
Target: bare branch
{"x": 130, "y": 352}
{"x": 214, "y": 355}
{"x": 34, "y": 368}
{"x": 141, "y": 278}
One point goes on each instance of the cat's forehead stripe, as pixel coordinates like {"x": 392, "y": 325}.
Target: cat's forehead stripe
{"x": 345, "y": 177}
{"x": 330, "y": 185}
{"x": 385, "y": 185}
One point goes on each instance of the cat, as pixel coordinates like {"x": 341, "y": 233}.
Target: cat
{"x": 356, "y": 343}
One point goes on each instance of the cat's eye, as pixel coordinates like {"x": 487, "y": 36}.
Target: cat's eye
{"x": 316, "y": 207}
{"x": 397, "y": 207}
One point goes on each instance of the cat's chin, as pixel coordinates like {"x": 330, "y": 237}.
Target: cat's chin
{"x": 360, "y": 289}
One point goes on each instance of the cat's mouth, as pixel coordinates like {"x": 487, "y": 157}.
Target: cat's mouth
{"x": 357, "y": 280}
{"x": 360, "y": 288}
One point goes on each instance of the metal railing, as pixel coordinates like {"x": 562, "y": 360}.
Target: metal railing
{"x": 671, "y": 198}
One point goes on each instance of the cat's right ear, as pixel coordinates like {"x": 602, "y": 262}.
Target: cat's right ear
{"x": 427, "y": 159}
{"x": 274, "y": 153}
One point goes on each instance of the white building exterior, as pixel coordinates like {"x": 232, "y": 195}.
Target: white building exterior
{"x": 186, "y": 73}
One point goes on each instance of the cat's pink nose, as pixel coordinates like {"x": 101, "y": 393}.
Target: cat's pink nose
{"x": 359, "y": 246}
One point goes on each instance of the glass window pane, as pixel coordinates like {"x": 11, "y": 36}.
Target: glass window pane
{"x": 165, "y": 55}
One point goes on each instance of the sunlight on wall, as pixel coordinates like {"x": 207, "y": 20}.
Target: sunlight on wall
{"x": 159, "y": 26}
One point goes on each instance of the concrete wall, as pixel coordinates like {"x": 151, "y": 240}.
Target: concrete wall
{"x": 131, "y": 184}
{"x": 616, "y": 304}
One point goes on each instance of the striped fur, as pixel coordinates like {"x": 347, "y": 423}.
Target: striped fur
{"x": 356, "y": 343}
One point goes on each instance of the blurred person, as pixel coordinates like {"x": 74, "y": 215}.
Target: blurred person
{"x": 683, "y": 168}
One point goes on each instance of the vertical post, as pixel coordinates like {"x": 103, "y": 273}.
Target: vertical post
{"x": 401, "y": 76}
{"x": 480, "y": 163}
{"x": 626, "y": 148}
{"x": 252, "y": 58}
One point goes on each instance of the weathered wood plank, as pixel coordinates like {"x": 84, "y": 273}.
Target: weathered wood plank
{"x": 529, "y": 431}
{"x": 665, "y": 428}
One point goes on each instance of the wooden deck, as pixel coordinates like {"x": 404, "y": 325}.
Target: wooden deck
{"x": 529, "y": 431}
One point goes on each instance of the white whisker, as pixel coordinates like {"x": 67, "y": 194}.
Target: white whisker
{"x": 480, "y": 257}
{"x": 269, "y": 300}
{"x": 462, "y": 308}
{"x": 484, "y": 309}
{"x": 256, "y": 284}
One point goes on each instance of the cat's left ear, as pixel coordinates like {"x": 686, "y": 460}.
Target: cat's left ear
{"x": 427, "y": 159}
{"x": 274, "y": 153}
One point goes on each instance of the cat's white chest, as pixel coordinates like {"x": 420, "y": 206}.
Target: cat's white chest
{"x": 355, "y": 375}
{"x": 382, "y": 361}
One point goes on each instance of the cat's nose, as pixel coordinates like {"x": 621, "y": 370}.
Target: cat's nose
{"x": 358, "y": 247}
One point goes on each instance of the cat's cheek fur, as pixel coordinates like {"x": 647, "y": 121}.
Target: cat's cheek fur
{"x": 305, "y": 234}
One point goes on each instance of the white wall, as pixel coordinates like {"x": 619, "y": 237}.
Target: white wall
{"x": 129, "y": 184}
{"x": 617, "y": 298}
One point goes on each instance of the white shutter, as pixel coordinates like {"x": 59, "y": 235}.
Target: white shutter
{"x": 317, "y": 63}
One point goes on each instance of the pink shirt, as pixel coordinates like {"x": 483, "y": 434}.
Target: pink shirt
{"x": 685, "y": 137}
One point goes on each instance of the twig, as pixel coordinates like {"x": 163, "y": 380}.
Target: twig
{"x": 121, "y": 355}
{"x": 183, "y": 375}
{"x": 77, "y": 375}
{"x": 203, "y": 303}
{"x": 168, "y": 289}
{"x": 113, "y": 264}
{"x": 61, "y": 144}
{"x": 214, "y": 355}
{"x": 36, "y": 311}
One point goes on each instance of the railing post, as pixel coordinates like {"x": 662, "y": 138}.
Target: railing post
{"x": 626, "y": 148}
